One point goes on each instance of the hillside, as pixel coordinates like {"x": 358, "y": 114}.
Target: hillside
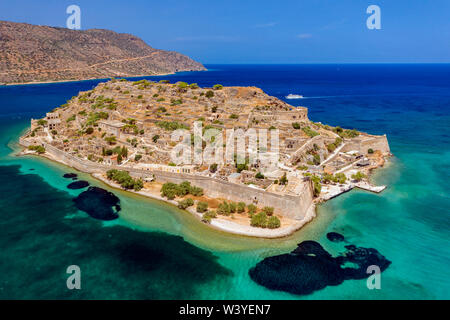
{"x": 31, "y": 53}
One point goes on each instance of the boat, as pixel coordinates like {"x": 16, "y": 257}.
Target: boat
{"x": 294, "y": 96}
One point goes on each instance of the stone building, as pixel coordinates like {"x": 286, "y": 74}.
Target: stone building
{"x": 112, "y": 127}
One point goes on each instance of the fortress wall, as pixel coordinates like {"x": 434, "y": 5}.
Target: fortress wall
{"x": 375, "y": 142}
{"x": 294, "y": 207}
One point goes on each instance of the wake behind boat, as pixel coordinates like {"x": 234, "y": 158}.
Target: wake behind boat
{"x": 294, "y": 96}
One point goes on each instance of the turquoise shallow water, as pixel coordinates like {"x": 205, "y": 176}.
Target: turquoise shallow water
{"x": 155, "y": 251}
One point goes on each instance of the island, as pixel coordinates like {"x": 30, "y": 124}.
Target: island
{"x": 122, "y": 132}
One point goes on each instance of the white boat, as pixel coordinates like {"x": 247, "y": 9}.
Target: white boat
{"x": 294, "y": 96}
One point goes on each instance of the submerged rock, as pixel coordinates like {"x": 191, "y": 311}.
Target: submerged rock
{"x": 78, "y": 184}
{"x": 310, "y": 267}
{"x": 98, "y": 203}
{"x": 70, "y": 175}
{"x": 335, "y": 237}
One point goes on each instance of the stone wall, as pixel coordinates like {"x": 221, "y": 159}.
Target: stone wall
{"x": 372, "y": 142}
{"x": 287, "y": 205}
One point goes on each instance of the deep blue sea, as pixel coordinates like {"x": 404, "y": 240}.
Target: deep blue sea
{"x": 155, "y": 251}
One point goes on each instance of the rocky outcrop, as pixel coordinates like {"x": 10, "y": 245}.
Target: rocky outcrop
{"x": 31, "y": 53}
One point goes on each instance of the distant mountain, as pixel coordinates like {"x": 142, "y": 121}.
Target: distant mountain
{"x": 30, "y": 53}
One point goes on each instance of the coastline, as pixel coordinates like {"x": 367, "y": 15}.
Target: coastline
{"x": 78, "y": 80}
{"x": 90, "y": 79}
{"x": 216, "y": 223}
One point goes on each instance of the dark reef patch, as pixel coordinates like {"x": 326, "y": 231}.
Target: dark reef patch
{"x": 31, "y": 169}
{"x": 78, "y": 184}
{"x": 70, "y": 175}
{"x": 335, "y": 237}
{"x": 310, "y": 267}
{"x": 98, "y": 203}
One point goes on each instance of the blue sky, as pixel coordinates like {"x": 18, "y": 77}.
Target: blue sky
{"x": 247, "y": 31}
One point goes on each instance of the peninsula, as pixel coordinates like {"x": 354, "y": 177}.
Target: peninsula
{"x": 30, "y": 53}
{"x": 122, "y": 132}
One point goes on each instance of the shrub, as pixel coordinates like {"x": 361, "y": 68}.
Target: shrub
{"x": 273, "y": 222}
{"x": 296, "y": 125}
{"x": 251, "y": 209}
{"x": 224, "y": 209}
{"x": 309, "y": 132}
{"x": 283, "y": 180}
{"x": 182, "y": 85}
{"x": 38, "y": 149}
{"x": 370, "y": 151}
{"x": 316, "y": 159}
{"x": 90, "y": 130}
{"x": 317, "y": 187}
{"x": 259, "y": 175}
{"x": 184, "y": 204}
{"x": 240, "y": 207}
{"x": 268, "y": 211}
{"x": 202, "y": 207}
{"x": 340, "y": 177}
{"x": 124, "y": 179}
{"x": 137, "y": 157}
{"x": 232, "y": 207}
{"x": 155, "y": 138}
{"x": 209, "y": 94}
{"x": 213, "y": 167}
{"x": 259, "y": 220}
{"x": 171, "y": 126}
{"x": 358, "y": 176}
{"x": 218, "y": 87}
{"x": 234, "y": 116}
{"x": 208, "y": 216}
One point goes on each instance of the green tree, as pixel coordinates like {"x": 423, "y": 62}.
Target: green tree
{"x": 358, "y": 176}
{"x": 283, "y": 180}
